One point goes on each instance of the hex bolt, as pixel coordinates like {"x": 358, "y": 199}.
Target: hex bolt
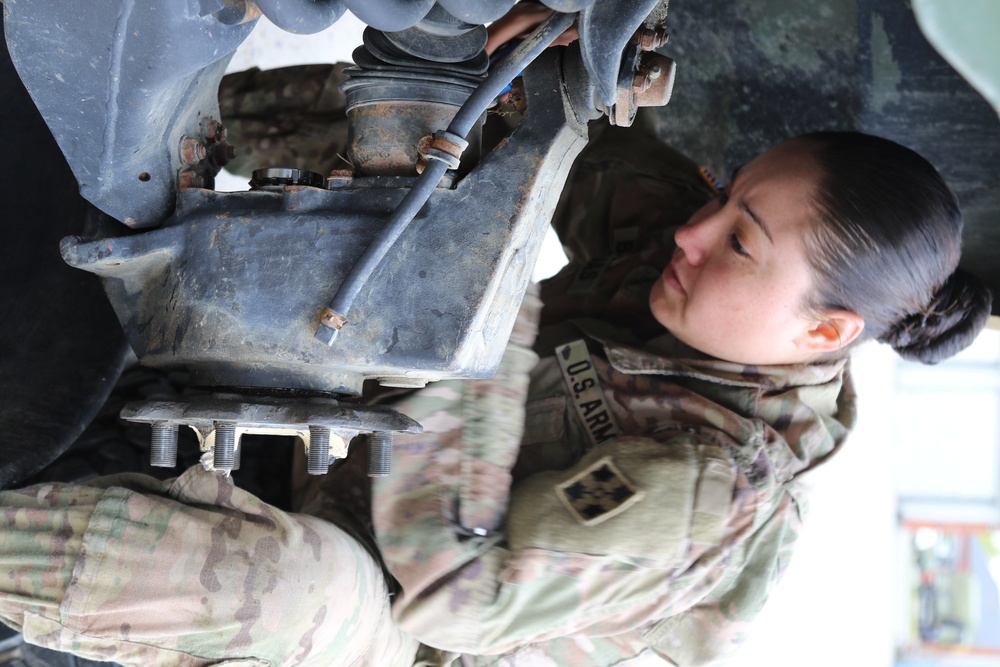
{"x": 192, "y": 151}
{"x": 224, "y": 455}
{"x": 380, "y": 454}
{"x": 238, "y": 455}
{"x": 163, "y": 449}
{"x": 319, "y": 450}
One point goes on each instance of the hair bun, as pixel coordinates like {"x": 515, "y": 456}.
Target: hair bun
{"x": 950, "y": 322}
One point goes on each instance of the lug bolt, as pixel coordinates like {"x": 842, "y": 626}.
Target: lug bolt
{"x": 224, "y": 454}
{"x": 163, "y": 450}
{"x": 380, "y": 454}
{"x": 319, "y": 450}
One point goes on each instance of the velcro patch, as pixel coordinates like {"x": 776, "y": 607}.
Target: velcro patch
{"x": 598, "y": 493}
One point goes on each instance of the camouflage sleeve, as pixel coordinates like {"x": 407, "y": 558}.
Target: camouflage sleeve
{"x": 630, "y": 534}
{"x": 717, "y": 626}
{"x": 193, "y": 572}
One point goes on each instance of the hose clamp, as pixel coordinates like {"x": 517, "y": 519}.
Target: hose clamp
{"x": 442, "y": 146}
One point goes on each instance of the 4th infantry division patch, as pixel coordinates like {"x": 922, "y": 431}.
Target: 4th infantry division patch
{"x": 598, "y": 493}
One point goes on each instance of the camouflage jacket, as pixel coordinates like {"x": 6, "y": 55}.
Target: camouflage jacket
{"x": 632, "y": 503}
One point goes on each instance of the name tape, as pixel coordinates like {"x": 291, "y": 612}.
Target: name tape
{"x": 586, "y": 393}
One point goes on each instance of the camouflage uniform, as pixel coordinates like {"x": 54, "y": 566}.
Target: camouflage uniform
{"x": 189, "y": 572}
{"x": 558, "y": 534}
{"x": 291, "y": 117}
{"x": 620, "y": 500}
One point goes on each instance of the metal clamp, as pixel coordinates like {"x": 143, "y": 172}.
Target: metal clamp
{"x": 443, "y": 146}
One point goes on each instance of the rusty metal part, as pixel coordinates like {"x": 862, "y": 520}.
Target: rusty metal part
{"x": 382, "y": 136}
{"x": 192, "y": 151}
{"x": 333, "y": 320}
{"x": 422, "y": 147}
{"x": 624, "y": 110}
{"x": 654, "y": 82}
{"x": 339, "y": 178}
{"x": 215, "y": 131}
{"x": 190, "y": 179}
{"x": 650, "y": 83}
{"x": 441, "y": 146}
{"x": 650, "y": 39}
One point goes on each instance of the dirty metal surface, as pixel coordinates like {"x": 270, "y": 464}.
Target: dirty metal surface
{"x": 119, "y": 116}
{"x": 228, "y": 288}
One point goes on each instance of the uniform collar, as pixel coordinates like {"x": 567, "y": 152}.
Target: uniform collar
{"x": 668, "y": 356}
{"x": 811, "y": 406}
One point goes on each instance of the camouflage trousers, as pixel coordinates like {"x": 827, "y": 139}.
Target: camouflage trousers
{"x": 193, "y": 571}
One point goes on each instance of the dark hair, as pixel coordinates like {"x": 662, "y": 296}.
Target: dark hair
{"x": 886, "y": 246}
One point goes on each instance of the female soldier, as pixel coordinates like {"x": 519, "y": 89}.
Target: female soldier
{"x": 630, "y": 488}
{"x": 683, "y": 389}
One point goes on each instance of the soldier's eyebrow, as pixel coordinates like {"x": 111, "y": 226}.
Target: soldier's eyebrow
{"x": 746, "y": 209}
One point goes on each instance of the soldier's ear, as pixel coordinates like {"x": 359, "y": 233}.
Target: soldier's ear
{"x": 833, "y": 330}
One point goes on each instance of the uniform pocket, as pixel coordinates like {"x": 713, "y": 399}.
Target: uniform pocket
{"x": 544, "y": 445}
{"x": 545, "y": 421}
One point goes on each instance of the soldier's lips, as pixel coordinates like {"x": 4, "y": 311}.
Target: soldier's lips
{"x": 671, "y": 280}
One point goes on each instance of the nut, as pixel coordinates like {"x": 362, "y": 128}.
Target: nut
{"x": 215, "y": 132}
{"x": 649, "y": 39}
{"x": 189, "y": 179}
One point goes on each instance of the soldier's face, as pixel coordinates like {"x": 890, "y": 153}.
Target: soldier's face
{"x": 738, "y": 281}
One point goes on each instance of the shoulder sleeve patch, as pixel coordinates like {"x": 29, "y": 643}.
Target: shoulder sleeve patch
{"x": 598, "y": 493}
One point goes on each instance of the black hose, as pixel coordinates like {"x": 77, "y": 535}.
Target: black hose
{"x": 460, "y": 126}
